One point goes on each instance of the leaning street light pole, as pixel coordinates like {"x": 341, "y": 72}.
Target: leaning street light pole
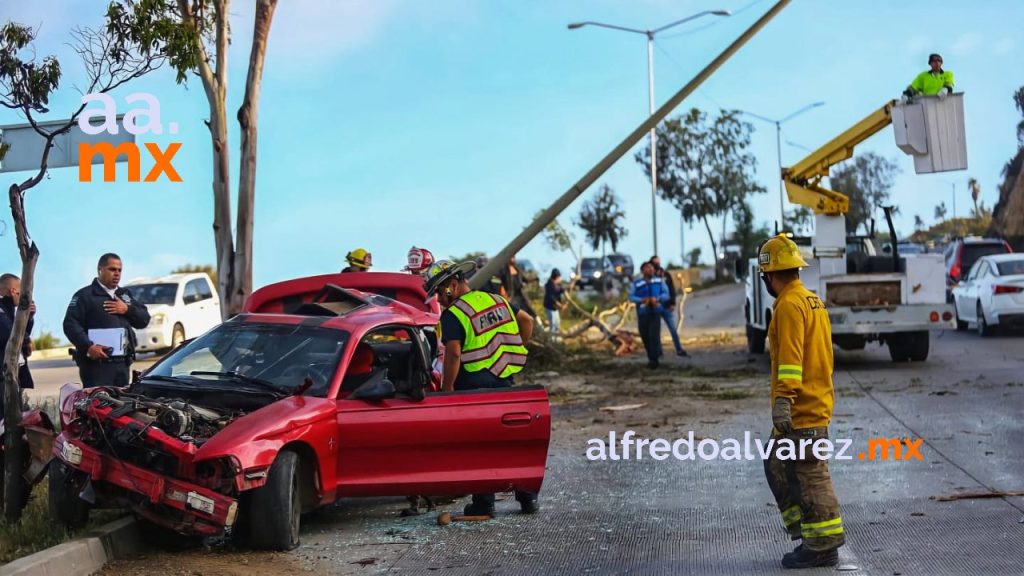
{"x": 574, "y": 192}
{"x": 778, "y": 149}
{"x": 650, "y": 95}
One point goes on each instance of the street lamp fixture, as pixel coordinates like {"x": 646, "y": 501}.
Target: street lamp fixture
{"x": 650, "y": 90}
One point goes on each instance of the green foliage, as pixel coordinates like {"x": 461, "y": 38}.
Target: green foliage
{"x": 800, "y": 220}
{"x": 704, "y": 167}
{"x": 557, "y": 237}
{"x": 467, "y": 257}
{"x": 156, "y": 28}
{"x": 35, "y": 531}
{"x": 693, "y": 258}
{"x": 25, "y": 84}
{"x": 209, "y": 269}
{"x": 601, "y": 218}
{"x": 940, "y": 211}
{"x": 867, "y": 180}
{"x": 45, "y": 341}
{"x": 746, "y": 235}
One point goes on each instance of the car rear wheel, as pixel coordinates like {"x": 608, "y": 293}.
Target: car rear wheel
{"x": 755, "y": 340}
{"x": 917, "y": 346}
{"x": 984, "y": 330}
{"x": 899, "y": 347}
{"x": 66, "y": 506}
{"x": 276, "y": 507}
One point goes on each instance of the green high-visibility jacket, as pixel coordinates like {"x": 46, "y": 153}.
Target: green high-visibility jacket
{"x": 492, "y": 334}
{"x": 929, "y": 83}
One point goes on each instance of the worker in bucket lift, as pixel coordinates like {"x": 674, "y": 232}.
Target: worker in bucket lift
{"x": 359, "y": 260}
{"x": 418, "y": 261}
{"x": 932, "y": 82}
{"x": 802, "y": 399}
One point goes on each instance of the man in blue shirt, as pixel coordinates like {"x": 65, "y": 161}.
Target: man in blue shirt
{"x": 650, "y": 294}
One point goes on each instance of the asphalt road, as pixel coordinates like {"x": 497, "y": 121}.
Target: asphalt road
{"x": 50, "y": 375}
{"x": 716, "y": 517}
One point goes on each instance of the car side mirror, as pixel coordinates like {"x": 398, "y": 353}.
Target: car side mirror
{"x": 188, "y": 298}
{"x": 374, "y": 389}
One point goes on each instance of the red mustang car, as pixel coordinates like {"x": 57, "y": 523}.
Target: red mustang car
{"x": 319, "y": 390}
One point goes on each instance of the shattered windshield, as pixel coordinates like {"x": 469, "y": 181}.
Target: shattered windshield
{"x": 262, "y": 358}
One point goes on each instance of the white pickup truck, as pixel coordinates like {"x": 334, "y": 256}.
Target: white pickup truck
{"x": 870, "y": 297}
{"x": 181, "y": 306}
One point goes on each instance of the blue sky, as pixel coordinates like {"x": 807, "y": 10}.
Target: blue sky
{"x": 449, "y": 123}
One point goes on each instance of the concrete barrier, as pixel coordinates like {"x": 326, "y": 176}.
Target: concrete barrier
{"x": 83, "y": 556}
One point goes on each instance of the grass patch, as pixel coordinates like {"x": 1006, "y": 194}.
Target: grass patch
{"x": 35, "y": 531}
{"x": 702, "y": 387}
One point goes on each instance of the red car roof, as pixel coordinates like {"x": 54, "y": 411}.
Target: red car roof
{"x": 406, "y": 290}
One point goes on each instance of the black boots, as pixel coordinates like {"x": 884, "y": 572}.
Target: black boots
{"x": 801, "y": 557}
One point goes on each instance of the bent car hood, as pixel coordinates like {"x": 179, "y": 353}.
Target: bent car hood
{"x": 257, "y": 431}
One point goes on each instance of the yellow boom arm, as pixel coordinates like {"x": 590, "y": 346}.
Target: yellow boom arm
{"x": 803, "y": 179}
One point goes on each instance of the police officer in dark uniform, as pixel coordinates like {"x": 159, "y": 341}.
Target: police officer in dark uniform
{"x": 103, "y": 304}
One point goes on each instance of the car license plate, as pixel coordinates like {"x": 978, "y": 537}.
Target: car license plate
{"x": 70, "y": 453}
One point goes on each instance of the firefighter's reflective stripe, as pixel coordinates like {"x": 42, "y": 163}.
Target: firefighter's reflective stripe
{"x": 821, "y": 529}
{"x": 791, "y": 515}
{"x": 498, "y": 341}
{"x": 492, "y": 334}
{"x": 791, "y": 372}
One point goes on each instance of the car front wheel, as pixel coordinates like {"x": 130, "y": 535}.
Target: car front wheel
{"x": 66, "y": 506}
{"x": 276, "y": 506}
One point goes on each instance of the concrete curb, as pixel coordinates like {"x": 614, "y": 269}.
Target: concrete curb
{"x": 82, "y": 556}
{"x": 50, "y": 354}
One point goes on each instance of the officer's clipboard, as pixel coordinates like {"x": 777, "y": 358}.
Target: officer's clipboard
{"x": 112, "y": 338}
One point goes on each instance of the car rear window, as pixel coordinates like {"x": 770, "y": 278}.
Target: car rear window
{"x": 1011, "y": 267}
{"x": 971, "y": 253}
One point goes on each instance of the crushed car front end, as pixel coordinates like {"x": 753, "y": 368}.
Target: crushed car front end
{"x": 123, "y": 449}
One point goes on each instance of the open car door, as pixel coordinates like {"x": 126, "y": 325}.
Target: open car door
{"x": 487, "y": 440}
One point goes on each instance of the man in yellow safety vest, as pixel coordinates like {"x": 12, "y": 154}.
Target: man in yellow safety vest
{"x": 484, "y": 346}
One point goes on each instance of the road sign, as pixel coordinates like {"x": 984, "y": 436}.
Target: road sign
{"x": 27, "y": 145}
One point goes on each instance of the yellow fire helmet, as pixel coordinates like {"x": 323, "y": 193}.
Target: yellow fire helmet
{"x": 779, "y": 253}
{"x": 359, "y": 258}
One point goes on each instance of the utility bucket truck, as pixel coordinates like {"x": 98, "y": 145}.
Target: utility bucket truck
{"x": 871, "y": 296}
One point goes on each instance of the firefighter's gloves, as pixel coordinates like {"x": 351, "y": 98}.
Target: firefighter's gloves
{"x": 782, "y": 417}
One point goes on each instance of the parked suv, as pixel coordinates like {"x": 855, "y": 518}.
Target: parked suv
{"x": 962, "y": 253}
{"x": 181, "y": 306}
{"x": 595, "y": 273}
{"x": 622, "y": 266}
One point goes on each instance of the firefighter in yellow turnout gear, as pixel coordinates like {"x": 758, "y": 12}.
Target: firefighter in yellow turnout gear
{"x": 802, "y": 398}
{"x": 484, "y": 341}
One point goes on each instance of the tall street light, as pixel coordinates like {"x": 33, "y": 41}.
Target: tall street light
{"x": 778, "y": 149}
{"x": 650, "y": 89}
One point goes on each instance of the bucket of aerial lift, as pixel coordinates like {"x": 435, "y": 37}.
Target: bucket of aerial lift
{"x": 931, "y": 129}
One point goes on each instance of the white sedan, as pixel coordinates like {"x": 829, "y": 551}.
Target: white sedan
{"x": 992, "y": 295}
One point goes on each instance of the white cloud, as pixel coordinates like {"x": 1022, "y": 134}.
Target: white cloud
{"x": 1004, "y": 46}
{"x": 966, "y": 43}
